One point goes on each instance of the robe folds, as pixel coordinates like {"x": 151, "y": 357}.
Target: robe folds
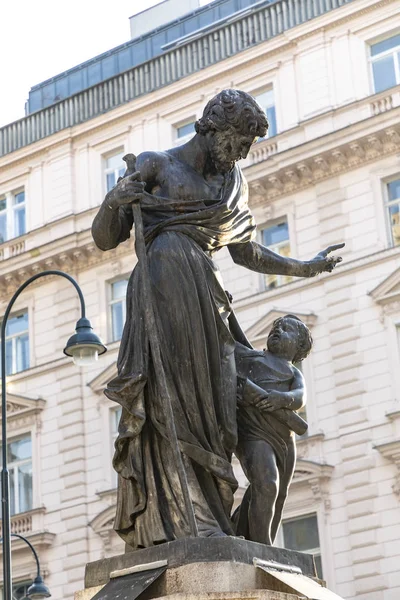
{"x": 197, "y": 350}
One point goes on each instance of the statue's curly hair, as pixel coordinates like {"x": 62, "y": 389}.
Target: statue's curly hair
{"x": 233, "y": 109}
{"x": 305, "y": 342}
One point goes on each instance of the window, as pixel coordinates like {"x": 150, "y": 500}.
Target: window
{"x": 301, "y": 534}
{"x": 17, "y": 344}
{"x": 19, "y": 453}
{"x": 12, "y": 216}
{"x": 393, "y": 211}
{"x": 276, "y": 238}
{"x": 118, "y": 308}
{"x": 19, "y": 590}
{"x": 115, "y": 168}
{"x": 183, "y": 133}
{"x": 385, "y": 61}
{"x": 267, "y": 103}
{"x": 115, "y": 415}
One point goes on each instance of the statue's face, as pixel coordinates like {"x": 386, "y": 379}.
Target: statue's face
{"x": 227, "y": 147}
{"x": 283, "y": 339}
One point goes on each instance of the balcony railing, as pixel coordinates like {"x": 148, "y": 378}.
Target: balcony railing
{"x": 12, "y": 248}
{"x": 197, "y": 53}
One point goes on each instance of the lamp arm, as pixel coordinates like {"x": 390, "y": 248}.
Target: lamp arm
{"x": 21, "y": 537}
{"x": 5, "y": 494}
{"x": 3, "y": 338}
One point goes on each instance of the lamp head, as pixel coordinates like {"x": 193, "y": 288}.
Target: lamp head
{"x": 38, "y": 590}
{"x": 84, "y": 346}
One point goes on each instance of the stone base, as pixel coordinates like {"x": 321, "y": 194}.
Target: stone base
{"x": 204, "y": 569}
{"x": 199, "y": 550}
{"x": 252, "y": 595}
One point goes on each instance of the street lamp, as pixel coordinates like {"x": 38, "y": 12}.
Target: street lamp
{"x": 38, "y": 589}
{"x": 84, "y": 347}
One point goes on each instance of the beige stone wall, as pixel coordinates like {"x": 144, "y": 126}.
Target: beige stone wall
{"x": 325, "y": 171}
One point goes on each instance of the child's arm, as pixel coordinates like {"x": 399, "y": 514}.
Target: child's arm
{"x": 249, "y": 393}
{"x": 294, "y": 399}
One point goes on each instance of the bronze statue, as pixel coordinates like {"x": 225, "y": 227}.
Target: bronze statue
{"x": 193, "y": 201}
{"x": 270, "y": 390}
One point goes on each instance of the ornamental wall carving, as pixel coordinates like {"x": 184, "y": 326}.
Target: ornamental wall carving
{"x": 312, "y": 170}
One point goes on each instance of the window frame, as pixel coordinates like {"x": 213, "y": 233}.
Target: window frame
{"x": 280, "y": 538}
{"x": 372, "y": 59}
{"x": 259, "y": 92}
{"x": 179, "y": 141}
{"x": 266, "y": 225}
{"x": 111, "y": 302}
{"x": 14, "y": 466}
{"x": 10, "y": 211}
{"x": 13, "y": 345}
{"x": 15, "y": 585}
{"x": 108, "y": 170}
{"x": 386, "y": 204}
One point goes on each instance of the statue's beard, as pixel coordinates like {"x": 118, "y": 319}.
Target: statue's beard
{"x": 220, "y": 159}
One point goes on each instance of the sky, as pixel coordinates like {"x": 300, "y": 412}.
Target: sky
{"x": 41, "y": 38}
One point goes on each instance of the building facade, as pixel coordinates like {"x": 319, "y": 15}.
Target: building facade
{"x": 328, "y": 75}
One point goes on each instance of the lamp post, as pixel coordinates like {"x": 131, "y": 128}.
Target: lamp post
{"x": 38, "y": 589}
{"x": 84, "y": 347}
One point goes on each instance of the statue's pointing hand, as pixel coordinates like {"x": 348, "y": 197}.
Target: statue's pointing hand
{"x": 322, "y": 262}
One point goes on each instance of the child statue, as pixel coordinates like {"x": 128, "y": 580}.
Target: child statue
{"x": 270, "y": 391}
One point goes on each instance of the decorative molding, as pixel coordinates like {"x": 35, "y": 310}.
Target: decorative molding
{"x": 316, "y": 476}
{"x": 306, "y": 445}
{"x": 22, "y": 411}
{"x": 109, "y": 495}
{"x": 103, "y": 524}
{"x": 41, "y": 539}
{"x": 276, "y": 181}
{"x": 391, "y": 451}
{"x": 104, "y": 521}
{"x": 393, "y": 415}
{"x": 259, "y": 331}
{"x": 76, "y": 253}
{"x": 387, "y": 293}
{"x": 99, "y": 383}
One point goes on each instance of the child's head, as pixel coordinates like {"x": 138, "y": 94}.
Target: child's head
{"x": 290, "y": 338}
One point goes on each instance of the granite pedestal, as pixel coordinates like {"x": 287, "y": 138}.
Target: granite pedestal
{"x": 196, "y": 569}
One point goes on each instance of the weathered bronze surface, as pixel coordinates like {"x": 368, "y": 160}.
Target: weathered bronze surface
{"x": 193, "y": 202}
{"x": 197, "y": 550}
{"x": 270, "y": 390}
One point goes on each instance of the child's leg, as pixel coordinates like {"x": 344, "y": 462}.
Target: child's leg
{"x": 259, "y": 464}
{"x": 285, "y": 480}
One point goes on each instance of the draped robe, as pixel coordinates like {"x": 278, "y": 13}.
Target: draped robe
{"x": 197, "y": 351}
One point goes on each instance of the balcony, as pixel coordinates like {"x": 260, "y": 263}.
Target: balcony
{"x": 12, "y": 248}
{"x": 329, "y": 122}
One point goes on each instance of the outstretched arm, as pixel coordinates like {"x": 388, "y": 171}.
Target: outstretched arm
{"x": 261, "y": 259}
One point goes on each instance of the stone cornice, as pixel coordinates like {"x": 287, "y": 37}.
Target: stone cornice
{"x": 104, "y": 521}
{"x": 316, "y": 476}
{"x": 391, "y": 451}
{"x": 75, "y": 252}
{"x": 99, "y": 383}
{"x": 314, "y": 161}
{"x": 22, "y": 412}
{"x": 388, "y": 291}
